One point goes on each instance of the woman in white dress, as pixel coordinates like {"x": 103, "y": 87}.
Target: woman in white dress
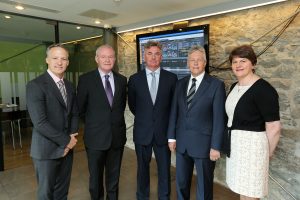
{"x": 253, "y": 117}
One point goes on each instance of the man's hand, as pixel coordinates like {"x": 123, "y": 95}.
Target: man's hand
{"x": 73, "y": 141}
{"x": 214, "y": 155}
{"x": 66, "y": 151}
{"x": 172, "y": 146}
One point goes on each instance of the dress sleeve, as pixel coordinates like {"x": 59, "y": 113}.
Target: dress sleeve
{"x": 267, "y": 102}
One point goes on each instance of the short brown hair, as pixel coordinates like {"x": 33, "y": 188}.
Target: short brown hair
{"x": 152, "y": 43}
{"x": 244, "y": 51}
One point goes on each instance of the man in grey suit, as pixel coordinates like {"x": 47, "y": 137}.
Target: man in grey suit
{"x": 196, "y": 127}
{"x": 102, "y": 102}
{"x": 52, "y": 107}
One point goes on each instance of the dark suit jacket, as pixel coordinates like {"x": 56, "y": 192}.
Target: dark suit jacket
{"x": 199, "y": 128}
{"x": 151, "y": 121}
{"x": 104, "y": 126}
{"x": 52, "y": 120}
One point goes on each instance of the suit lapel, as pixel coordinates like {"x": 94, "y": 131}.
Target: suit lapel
{"x": 117, "y": 88}
{"x": 53, "y": 87}
{"x": 69, "y": 94}
{"x": 201, "y": 89}
{"x": 144, "y": 85}
{"x": 161, "y": 85}
{"x": 99, "y": 86}
{"x": 184, "y": 90}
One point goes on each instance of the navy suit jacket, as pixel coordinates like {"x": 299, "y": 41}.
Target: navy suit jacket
{"x": 201, "y": 127}
{"x": 151, "y": 121}
{"x": 53, "y": 121}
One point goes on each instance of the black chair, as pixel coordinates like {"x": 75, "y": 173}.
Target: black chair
{"x": 23, "y": 121}
{"x": 6, "y": 117}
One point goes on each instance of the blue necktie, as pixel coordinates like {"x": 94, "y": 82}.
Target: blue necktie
{"x": 153, "y": 87}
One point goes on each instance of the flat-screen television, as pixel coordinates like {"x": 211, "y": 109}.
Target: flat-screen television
{"x": 175, "y": 46}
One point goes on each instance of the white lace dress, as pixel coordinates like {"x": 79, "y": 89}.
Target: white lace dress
{"x": 248, "y": 165}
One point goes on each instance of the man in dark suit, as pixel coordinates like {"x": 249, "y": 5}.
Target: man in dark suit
{"x": 150, "y": 93}
{"x": 102, "y": 101}
{"x": 196, "y": 127}
{"x": 52, "y": 107}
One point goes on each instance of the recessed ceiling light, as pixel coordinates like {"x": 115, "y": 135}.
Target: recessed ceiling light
{"x": 97, "y": 22}
{"x": 78, "y": 27}
{"x": 19, "y": 7}
{"x": 7, "y": 16}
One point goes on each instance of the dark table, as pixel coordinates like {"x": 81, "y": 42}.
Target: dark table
{"x": 12, "y": 114}
{"x": 1, "y": 151}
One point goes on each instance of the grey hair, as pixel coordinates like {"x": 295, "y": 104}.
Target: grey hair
{"x": 197, "y": 48}
{"x": 56, "y": 45}
{"x": 105, "y": 46}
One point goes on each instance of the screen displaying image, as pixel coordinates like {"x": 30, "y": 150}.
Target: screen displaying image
{"x": 175, "y": 46}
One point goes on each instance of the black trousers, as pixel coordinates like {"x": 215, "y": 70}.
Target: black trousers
{"x": 110, "y": 162}
{"x": 163, "y": 161}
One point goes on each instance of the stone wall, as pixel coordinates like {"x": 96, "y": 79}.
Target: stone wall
{"x": 280, "y": 65}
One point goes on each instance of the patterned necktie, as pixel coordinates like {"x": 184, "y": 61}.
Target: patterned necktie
{"x": 62, "y": 89}
{"x": 191, "y": 92}
{"x": 108, "y": 90}
{"x": 153, "y": 87}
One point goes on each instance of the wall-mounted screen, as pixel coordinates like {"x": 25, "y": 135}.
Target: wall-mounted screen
{"x": 176, "y": 44}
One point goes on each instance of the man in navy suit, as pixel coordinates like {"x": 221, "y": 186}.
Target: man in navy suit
{"x": 150, "y": 93}
{"x": 196, "y": 127}
{"x": 51, "y": 103}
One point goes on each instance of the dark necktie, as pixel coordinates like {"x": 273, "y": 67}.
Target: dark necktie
{"x": 62, "y": 89}
{"x": 191, "y": 92}
{"x": 108, "y": 90}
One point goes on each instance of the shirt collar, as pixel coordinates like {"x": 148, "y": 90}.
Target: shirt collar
{"x": 199, "y": 77}
{"x": 102, "y": 74}
{"x": 54, "y": 77}
{"x": 148, "y": 71}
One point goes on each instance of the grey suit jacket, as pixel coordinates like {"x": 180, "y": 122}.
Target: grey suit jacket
{"x": 52, "y": 120}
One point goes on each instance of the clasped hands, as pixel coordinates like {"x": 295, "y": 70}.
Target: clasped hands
{"x": 214, "y": 155}
{"x": 72, "y": 143}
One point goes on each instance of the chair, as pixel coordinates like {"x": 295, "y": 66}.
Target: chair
{"x": 6, "y": 117}
{"x": 23, "y": 121}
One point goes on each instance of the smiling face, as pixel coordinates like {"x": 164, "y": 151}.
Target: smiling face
{"x": 58, "y": 61}
{"x": 241, "y": 67}
{"x": 105, "y": 58}
{"x": 153, "y": 57}
{"x": 196, "y": 63}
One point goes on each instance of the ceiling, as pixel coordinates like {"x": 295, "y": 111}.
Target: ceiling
{"x": 125, "y": 14}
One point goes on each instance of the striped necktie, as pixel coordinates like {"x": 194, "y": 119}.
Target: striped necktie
{"x": 62, "y": 89}
{"x": 191, "y": 92}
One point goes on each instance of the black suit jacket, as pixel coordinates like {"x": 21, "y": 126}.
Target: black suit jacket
{"x": 151, "y": 121}
{"x": 52, "y": 120}
{"x": 104, "y": 125}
